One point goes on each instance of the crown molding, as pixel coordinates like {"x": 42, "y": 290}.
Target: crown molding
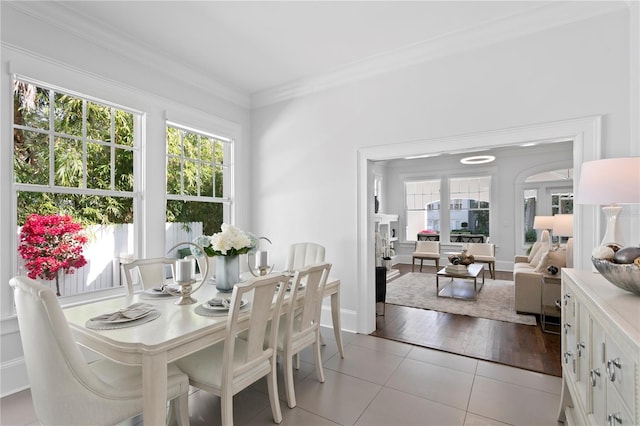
{"x": 539, "y": 18}
{"x": 90, "y": 29}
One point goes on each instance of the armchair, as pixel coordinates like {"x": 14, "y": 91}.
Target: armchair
{"x": 426, "y": 250}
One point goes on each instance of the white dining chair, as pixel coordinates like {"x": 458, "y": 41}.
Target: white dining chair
{"x": 148, "y": 273}
{"x": 304, "y": 254}
{"x": 228, "y": 367}
{"x": 301, "y": 255}
{"x": 300, "y": 327}
{"x": 66, "y": 389}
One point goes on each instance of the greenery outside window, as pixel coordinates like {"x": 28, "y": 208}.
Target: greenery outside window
{"x": 76, "y": 155}
{"x": 198, "y": 180}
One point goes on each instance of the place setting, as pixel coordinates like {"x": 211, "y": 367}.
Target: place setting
{"x": 161, "y": 291}
{"x": 132, "y": 315}
{"x": 219, "y": 306}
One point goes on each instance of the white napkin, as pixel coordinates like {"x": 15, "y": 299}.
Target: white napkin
{"x": 220, "y": 302}
{"x": 131, "y": 312}
{"x": 164, "y": 289}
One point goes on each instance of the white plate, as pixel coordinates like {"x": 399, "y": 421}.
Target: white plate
{"x": 157, "y": 291}
{"x": 206, "y": 305}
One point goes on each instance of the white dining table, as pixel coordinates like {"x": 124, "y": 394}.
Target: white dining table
{"x": 177, "y": 332}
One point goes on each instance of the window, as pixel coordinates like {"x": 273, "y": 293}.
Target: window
{"x": 76, "y": 155}
{"x": 469, "y": 203}
{"x": 561, "y": 202}
{"x": 422, "y": 199}
{"x": 530, "y": 204}
{"x": 198, "y": 182}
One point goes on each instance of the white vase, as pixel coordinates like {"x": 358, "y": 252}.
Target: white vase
{"x": 227, "y": 272}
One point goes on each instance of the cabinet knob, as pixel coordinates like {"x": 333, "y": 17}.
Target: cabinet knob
{"x": 567, "y": 326}
{"x": 567, "y": 357}
{"x": 580, "y": 346}
{"x": 594, "y": 374}
{"x": 614, "y": 418}
{"x": 612, "y": 364}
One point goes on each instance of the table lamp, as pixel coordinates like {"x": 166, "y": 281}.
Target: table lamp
{"x": 543, "y": 222}
{"x": 610, "y": 182}
{"x": 562, "y": 225}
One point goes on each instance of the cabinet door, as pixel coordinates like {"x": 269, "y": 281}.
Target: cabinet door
{"x": 597, "y": 375}
{"x": 582, "y": 333}
{"x": 568, "y": 331}
{"x": 621, "y": 370}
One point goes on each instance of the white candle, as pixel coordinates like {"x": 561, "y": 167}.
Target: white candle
{"x": 184, "y": 270}
{"x": 262, "y": 259}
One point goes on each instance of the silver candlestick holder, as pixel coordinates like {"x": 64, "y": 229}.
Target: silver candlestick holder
{"x": 184, "y": 276}
{"x": 261, "y": 261}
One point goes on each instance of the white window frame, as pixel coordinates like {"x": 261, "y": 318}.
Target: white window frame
{"x": 424, "y": 209}
{"x": 227, "y": 166}
{"x": 135, "y": 193}
{"x": 454, "y": 201}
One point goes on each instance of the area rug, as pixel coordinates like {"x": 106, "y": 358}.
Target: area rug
{"x": 496, "y": 300}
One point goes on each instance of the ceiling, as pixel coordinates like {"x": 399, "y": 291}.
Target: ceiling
{"x": 256, "y": 46}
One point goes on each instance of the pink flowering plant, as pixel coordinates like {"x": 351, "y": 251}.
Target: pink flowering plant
{"x": 52, "y": 243}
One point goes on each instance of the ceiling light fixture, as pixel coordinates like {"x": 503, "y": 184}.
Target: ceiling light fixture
{"x": 478, "y": 159}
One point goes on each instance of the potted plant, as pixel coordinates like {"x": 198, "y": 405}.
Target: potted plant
{"x": 50, "y": 244}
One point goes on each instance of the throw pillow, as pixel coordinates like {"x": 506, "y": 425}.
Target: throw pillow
{"x": 557, "y": 258}
{"x": 534, "y": 249}
{"x": 542, "y": 249}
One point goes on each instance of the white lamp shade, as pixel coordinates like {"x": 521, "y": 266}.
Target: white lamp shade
{"x": 563, "y": 225}
{"x": 609, "y": 181}
{"x": 543, "y": 222}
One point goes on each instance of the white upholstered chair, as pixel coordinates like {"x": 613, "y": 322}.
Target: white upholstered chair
{"x": 304, "y": 254}
{"x": 426, "y": 250}
{"x": 228, "y": 367}
{"x": 300, "y": 327}
{"x": 483, "y": 253}
{"x": 66, "y": 390}
{"x": 150, "y": 272}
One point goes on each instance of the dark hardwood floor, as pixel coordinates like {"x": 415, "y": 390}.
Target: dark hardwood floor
{"x": 522, "y": 346}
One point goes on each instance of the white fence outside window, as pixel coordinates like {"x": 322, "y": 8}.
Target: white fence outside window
{"x": 107, "y": 246}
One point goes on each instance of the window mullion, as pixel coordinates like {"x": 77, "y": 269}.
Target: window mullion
{"x": 52, "y": 139}
{"x": 84, "y": 143}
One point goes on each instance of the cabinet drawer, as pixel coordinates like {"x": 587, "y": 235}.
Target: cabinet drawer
{"x": 617, "y": 412}
{"x": 620, "y": 369}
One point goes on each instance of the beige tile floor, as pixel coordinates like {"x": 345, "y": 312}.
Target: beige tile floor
{"x": 380, "y": 382}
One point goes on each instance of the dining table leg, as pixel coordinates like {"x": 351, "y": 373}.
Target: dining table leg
{"x": 154, "y": 388}
{"x": 335, "y": 316}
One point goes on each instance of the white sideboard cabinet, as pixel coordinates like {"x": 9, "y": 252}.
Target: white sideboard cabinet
{"x": 600, "y": 329}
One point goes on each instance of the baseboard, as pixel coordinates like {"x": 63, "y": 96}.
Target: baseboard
{"x": 348, "y": 319}
{"x": 14, "y": 377}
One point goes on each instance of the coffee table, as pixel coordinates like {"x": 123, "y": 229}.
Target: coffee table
{"x": 460, "y": 286}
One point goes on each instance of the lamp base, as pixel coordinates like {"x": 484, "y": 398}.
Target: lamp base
{"x": 612, "y": 235}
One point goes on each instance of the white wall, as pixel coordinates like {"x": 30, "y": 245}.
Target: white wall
{"x": 305, "y": 163}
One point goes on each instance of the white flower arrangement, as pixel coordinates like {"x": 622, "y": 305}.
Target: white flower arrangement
{"x": 231, "y": 241}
